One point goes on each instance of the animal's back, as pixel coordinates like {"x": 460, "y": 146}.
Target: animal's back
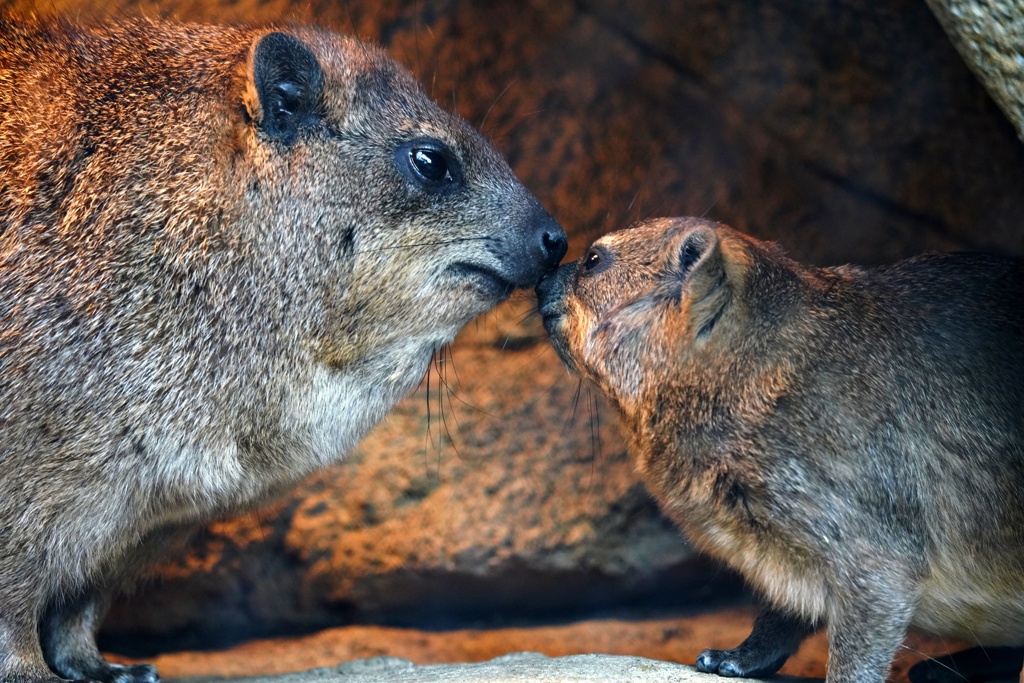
{"x": 115, "y": 194}
{"x": 925, "y": 375}
{"x": 966, "y": 317}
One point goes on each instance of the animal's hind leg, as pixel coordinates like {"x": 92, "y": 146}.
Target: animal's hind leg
{"x": 774, "y": 638}
{"x": 68, "y": 634}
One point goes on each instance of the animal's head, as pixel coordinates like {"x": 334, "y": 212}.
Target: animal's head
{"x": 407, "y": 221}
{"x": 644, "y": 303}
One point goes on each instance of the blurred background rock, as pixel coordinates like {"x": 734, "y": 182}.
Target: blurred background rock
{"x": 500, "y": 492}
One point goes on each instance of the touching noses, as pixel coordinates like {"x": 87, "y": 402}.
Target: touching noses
{"x": 551, "y": 240}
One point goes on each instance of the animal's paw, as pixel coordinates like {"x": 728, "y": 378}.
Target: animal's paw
{"x": 118, "y": 673}
{"x": 735, "y": 663}
{"x": 136, "y": 673}
{"x": 111, "y": 673}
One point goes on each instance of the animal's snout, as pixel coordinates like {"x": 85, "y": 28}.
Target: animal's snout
{"x": 548, "y": 289}
{"x": 551, "y": 241}
{"x": 537, "y": 247}
{"x": 551, "y": 291}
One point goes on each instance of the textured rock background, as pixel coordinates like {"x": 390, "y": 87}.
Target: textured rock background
{"x": 848, "y": 131}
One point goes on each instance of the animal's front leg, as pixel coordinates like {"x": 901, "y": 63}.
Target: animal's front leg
{"x": 68, "y": 635}
{"x": 21, "y": 660}
{"x": 866, "y": 625}
{"x": 774, "y": 638}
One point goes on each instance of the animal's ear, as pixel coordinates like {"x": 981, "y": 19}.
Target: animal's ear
{"x": 693, "y": 248}
{"x": 697, "y": 265}
{"x": 288, "y": 84}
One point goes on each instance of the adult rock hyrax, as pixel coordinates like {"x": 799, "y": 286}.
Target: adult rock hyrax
{"x": 851, "y": 440}
{"x": 225, "y": 253}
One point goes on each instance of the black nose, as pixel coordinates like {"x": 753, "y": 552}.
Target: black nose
{"x": 552, "y": 241}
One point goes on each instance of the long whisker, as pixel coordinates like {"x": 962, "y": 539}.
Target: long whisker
{"x": 450, "y": 360}
{"x": 352, "y": 26}
{"x": 631, "y": 201}
{"x": 575, "y": 404}
{"x": 708, "y": 210}
{"x": 500, "y": 95}
{"x": 531, "y": 311}
{"x": 515, "y": 122}
{"x": 417, "y": 9}
{"x": 429, "y": 436}
{"x": 934, "y": 660}
{"x": 458, "y": 382}
{"x": 439, "y": 365}
{"x": 415, "y": 245}
{"x": 440, "y": 412}
{"x": 595, "y": 435}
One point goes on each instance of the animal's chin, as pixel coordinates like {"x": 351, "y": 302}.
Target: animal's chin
{"x": 560, "y": 344}
{"x": 489, "y": 283}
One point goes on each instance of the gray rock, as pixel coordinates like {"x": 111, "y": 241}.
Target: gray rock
{"x": 989, "y": 34}
{"x": 519, "y": 667}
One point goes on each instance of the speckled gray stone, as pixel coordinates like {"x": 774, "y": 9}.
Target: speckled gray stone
{"x": 989, "y": 34}
{"x": 519, "y": 667}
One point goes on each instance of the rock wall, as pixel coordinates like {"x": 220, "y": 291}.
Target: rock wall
{"x": 848, "y": 131}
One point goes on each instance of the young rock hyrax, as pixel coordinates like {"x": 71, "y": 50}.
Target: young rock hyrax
{"x": 851, "y": 440}
{"x": 225, "y": 253}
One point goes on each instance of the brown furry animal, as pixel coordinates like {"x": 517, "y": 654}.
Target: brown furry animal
{"x": 851, "y": 440}
{"x": 225, "y": 253}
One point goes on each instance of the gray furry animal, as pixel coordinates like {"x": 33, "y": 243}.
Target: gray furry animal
{"x": 850, "y": 440}
{"x": 225, "y": 253}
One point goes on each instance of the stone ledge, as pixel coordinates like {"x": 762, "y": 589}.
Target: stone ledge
{"x": 518, "y": 667}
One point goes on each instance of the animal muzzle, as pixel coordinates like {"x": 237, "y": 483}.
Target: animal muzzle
{"x": 540, "y": 244}
{"x": 551, "y": 291}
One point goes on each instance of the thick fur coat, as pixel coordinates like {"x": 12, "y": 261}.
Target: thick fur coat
{"x": 851, "y": 440}
{"x": 225, "y": 253}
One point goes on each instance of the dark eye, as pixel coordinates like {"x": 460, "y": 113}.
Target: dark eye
{"x": 596, "y": 260}
{"x": 429, "y": 163}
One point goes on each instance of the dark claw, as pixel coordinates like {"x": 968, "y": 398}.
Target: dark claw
{"x": 144, "y": 673}
{"x": 135, "y": 673}
{"x": 731, "y": 669}
{"x": 708, "y": 661}
{"x": 729, "y": 663}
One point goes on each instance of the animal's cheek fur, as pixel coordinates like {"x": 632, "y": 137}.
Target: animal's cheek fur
{"x": 576, "y": 325}
{"x": 616, "y": 350}
{"x": 599, "y": 353}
